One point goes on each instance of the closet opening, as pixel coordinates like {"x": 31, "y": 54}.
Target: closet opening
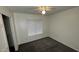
{"x": 6, "y": 21}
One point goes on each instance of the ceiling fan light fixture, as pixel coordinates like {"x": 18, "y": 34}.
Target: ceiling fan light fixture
{"x": 43, "y": 12}
{"x": 43, "y": 9}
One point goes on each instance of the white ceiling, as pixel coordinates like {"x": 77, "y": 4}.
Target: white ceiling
{"x": 31, "y": 9}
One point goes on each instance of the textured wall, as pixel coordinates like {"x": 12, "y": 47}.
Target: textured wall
{"x": 64, "y": 27}
{"x": 21, "y": 27}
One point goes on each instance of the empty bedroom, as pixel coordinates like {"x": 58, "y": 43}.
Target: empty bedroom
{"x": 39, "y": 29}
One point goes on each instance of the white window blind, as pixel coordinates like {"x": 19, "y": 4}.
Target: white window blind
{"x": 35, "y": 27}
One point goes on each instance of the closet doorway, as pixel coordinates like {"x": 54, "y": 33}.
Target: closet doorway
{"x": 6, "y": 21}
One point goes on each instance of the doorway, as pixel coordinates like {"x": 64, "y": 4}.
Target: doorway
{"x": 6, "y": 21}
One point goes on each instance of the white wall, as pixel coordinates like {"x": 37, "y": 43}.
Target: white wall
{"x": 64, "y": 27}
{"x": 21, "y": 27}
{"x": 7, "y": 12}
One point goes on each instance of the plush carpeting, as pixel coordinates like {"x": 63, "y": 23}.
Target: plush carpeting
{"x": 44, "y": 45}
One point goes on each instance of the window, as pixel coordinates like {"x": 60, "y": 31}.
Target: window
{"x": 35, "y": 27}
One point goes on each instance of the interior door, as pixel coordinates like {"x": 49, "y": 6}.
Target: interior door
{"x": 3, "y": 39}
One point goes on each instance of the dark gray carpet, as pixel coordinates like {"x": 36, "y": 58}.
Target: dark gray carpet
{"x": 44, "y": 45}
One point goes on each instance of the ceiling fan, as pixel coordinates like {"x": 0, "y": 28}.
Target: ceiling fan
{"x": 43, "y": 9}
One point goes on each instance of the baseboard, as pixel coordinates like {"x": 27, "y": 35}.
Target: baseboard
{"x": 64, "y": 44}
